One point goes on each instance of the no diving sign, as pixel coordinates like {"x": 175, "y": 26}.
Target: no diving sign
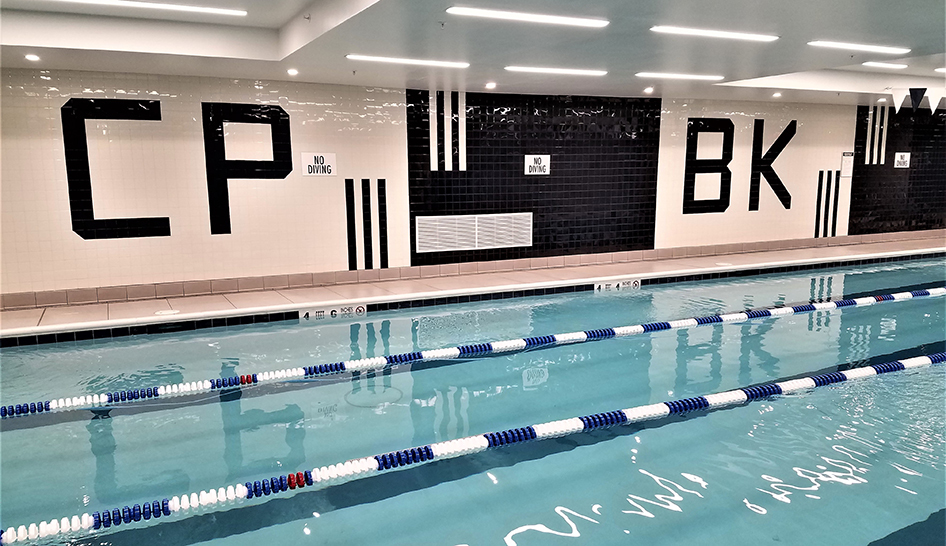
{"x": 538, "y": 164}
{"x": 318, "y": 164}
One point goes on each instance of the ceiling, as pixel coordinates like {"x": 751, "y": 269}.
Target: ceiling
{"x": 314, "y": 37}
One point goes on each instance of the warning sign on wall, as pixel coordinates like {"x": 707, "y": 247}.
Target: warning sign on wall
{"x": 318, "y": 164}
{"x": 538, "y": 164}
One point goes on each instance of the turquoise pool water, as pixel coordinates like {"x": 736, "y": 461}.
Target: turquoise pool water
{"x": 846, "y": 464}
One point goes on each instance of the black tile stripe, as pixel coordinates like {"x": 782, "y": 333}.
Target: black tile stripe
{"x": 410, "y": 304}
{"x": 162, "y": 328}
{"x": 837, "y": 194}
{"x": 366, "y": 218}
{"x": 350, "y": 206}
{"x": 438, "y": 120}
{"x": 871, "y": 129}
{"x": 383, "y": 222}
{"x": 818, "y": 204}
{"x": 827, "y": 201}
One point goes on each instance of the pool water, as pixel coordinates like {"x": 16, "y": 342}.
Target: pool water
{"x": 845, "y": 464}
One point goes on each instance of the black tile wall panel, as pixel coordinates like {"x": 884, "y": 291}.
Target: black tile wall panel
{"x": 600, "y": 196}
{"x": 885, "y": 199}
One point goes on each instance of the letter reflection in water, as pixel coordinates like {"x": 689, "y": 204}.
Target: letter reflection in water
{"x": 236, "y": 422}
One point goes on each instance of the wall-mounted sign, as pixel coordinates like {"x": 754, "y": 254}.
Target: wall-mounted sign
{"x": 347, "y": 312}
{"x": 617, "y": 286}
{"x": 901, "y": 160}
{"x": 318, "y": 164}
{"x": 847, "y": 164}
{"x": 538, "y": 164}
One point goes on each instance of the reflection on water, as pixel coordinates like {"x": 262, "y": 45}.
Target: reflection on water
{"x": 663, "y": 501}
{"x": 876, "y": 434}
{"x": 236, "y": 422}
{"x": 782, "y": 491}
{"x": 366, "y": 390}
{"x": 105, "y": 481}
{"x": 564, "y": 513}
{"x": 257, "y": 435}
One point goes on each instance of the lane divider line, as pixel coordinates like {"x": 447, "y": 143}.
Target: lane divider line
{"x": 111, "y": 399}
{"x": 334, "y": 474}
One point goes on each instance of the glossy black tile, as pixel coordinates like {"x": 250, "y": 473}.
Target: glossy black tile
{"x": 602, "y": 190}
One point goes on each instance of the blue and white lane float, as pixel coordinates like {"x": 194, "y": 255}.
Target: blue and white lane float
{"x": 230, "y": 495}
{"x": 111, "y": 399}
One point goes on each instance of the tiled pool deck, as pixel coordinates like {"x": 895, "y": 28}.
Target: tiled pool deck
{"x": 61, "y": 323}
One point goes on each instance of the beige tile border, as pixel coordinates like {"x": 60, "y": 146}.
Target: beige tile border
{"x": 54, "y": 298}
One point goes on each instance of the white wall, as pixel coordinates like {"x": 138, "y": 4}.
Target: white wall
{"x": 823, "y": 133}
{"x": 151, "y": 168}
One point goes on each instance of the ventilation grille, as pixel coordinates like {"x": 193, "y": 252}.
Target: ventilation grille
{"x": 473, "y": 231}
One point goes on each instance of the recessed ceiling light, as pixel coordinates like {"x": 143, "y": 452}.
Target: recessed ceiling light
{"x": 529, "y": 17}
{"x": 671, "y": 76}
{"x": 562, "y": 71}
{"x": 395, "y": 60}
{"x": 881, "y": 100}
{"x": 861, "y": 47}
{"x": 292, "y": 72}
{"x": 895, "y": 66}
{"x": 157, "y": 5}
{"x": 648, "y": 90}
{"x": 32, "y": 57}
{"x": 491, "y": 85}
{"x": 940, "y": 69}
{"x": 706, "y": 33}
{"x": 776, "y": 95}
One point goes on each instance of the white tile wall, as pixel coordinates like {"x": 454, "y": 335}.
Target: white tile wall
{"x": 149, "y": 168}
{"x": 823, "y": 132}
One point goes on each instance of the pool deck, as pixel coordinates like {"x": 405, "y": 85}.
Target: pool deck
{"x": 347, "y": 298}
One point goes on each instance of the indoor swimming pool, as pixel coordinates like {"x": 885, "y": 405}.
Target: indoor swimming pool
{"x": 847, "y": 464}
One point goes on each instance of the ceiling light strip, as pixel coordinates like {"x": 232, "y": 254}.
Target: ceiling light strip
{"x": 706, "y": 33}
{"x": 559, "y": 71}
{"x": 861, "y": 47}
{"x": 159, "y": 6}
{"x": 529, "y": 17}
{"x": 418, "y": 62}
{"x": 672, "y": 76}
{"x": 895, "y": 66}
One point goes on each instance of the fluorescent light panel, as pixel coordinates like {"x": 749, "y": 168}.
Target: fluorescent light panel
{"x": 396, "y": 60}
{"x": 861, "y": 47}
{"x": 529, "y": 17}
{"x": 159, "y": 6}
{"x": 940, "y": 69}
{"x": 560, "y": 71}
{"x": 706, "y": 33}
{"x": 671, "y": 76}
{"x": 894, "y": 66}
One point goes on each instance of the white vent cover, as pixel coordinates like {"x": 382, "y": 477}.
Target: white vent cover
{"x": 473, "y": 231}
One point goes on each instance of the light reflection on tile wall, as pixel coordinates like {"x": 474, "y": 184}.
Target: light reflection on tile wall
{"x": 157, "y": 169}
